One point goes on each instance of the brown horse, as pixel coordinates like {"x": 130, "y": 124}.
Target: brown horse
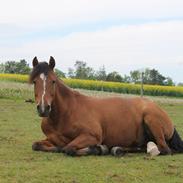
{"x": 77, "y": 124}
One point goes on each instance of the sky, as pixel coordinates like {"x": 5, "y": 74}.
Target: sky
{"x": 122, "y": 35}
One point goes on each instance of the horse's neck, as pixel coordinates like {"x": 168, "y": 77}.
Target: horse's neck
{"x": 63, "y": 101}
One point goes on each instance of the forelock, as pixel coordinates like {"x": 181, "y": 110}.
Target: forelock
{"x": 42, "y": 67}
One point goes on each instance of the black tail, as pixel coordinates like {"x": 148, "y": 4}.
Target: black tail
{"x": 176, "y": 143}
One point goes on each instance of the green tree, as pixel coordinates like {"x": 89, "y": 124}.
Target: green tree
{"x": 169, "y": 82}
{"x": 101, "y": 74}
{"x": 135, "y": 76}
{"x": 126, "y": 79}
{"x": 59, "y": 73}
{"x": 2, "y": 68}
{"x": 180, "y": 84}
{"x": 81, "y": 71}
{"x": 153, "y": 77}
{"x": 71, "y": 73}
{"x": 114, "y": 76}
{"x": 20, "y": 67}
{"x": 150, "y": 76}
{"x": 10, "y": 67}
{"x": 23, "y": 67}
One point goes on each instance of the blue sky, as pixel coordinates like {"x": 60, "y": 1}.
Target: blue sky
{"x": 121, "y": 35}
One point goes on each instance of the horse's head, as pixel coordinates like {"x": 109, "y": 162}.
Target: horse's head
{"x": 44, "y": 79}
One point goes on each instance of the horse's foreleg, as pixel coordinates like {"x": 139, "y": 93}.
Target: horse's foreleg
{"x": 81, "y": 145}
{"x": 46, "y": 146}
{"x": 93, "y": 150}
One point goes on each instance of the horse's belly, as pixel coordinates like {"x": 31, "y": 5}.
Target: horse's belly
{"x": 124, "y": 134}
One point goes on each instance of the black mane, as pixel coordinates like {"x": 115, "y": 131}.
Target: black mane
{"x": 42, "y": 67}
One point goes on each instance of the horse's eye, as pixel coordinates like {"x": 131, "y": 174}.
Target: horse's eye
{"x": 34, "y": 82}
{"x": 53, "y": 81}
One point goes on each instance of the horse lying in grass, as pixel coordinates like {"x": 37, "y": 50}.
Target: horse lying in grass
{"x": 77, "y": 124}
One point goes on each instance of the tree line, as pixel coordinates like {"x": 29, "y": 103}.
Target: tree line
{"x": 82, "y": 71}
{"x": 150, "y": 76}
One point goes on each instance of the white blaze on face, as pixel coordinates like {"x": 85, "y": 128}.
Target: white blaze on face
{"x": 43, "y": 77}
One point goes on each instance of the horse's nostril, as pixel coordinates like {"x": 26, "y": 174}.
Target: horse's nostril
{"x": 38, "y": 107}
{"x": 43, "y": 111}
{"x": 48, "y": 107}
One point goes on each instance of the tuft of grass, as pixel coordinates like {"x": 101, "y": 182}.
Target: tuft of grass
{"x": 20, "y": 127}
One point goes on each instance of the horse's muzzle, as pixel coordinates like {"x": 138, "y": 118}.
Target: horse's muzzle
{"x": 43, "y": 111}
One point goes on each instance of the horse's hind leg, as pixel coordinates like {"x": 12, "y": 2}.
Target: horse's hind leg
{"x": 155, "y": 127}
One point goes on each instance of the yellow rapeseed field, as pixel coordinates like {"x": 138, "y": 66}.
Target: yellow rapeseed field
{"x": 14, "y": 77}
{"x": 154, "y": 90}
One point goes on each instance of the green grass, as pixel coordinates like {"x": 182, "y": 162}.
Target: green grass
{"x": 15, "y": 90}
{"x": 20, "y": 126}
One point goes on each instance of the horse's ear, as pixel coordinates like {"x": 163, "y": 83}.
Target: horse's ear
{"x": 35, "y": 61}
{"x": 52, "y": 63}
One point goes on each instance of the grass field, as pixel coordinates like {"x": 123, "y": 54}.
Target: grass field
{"x": 20, "y": 126}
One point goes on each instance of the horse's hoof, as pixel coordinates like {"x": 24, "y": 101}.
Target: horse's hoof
{"x": 152, "y": 149}
{"x": 94, "y": 150}
{"x": 165, "y": 152}
{"x": 104, "y": 149}
{"x": 70, "y": 152}
{"x": 36, "y": 146}
{"x": 58, "y": 150}
{"x": 99, "y": 150}
{"x": 117, "y": 151}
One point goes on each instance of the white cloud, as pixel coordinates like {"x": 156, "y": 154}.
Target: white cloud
{"x": 120, "y": 48}
{"x": 39, "y": 13}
